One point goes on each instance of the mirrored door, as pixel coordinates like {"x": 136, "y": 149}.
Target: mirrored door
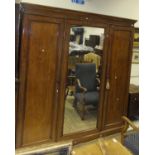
{"x": 82, "y": 92}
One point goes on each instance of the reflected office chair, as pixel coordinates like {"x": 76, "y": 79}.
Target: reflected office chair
{"x": 87, "y": 86}
{"x": 130, "y": 138}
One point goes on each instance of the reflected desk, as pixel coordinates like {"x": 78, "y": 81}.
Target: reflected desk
{"x": 102, "y": 147}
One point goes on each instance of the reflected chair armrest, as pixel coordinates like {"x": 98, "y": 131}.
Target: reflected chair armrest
{"x": 67, "y": 90}
{"x": 98, "y": 83}
{"x": 80, "y": 86}
{"x": 98, "y": 80}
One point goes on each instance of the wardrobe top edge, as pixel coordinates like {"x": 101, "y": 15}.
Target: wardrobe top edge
{"x": 29, "y": 8}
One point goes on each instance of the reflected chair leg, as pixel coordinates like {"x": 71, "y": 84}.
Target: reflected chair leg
{"x": 83, "y": 111}
{"x": 75, "y": 103}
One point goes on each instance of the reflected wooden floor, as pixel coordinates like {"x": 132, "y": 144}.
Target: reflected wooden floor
{"x": 72, "y": 120}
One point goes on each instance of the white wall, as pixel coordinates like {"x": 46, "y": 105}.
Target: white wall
{"x": 119, "y": 8}
{"x": 134, "y": 78}
{"x": 122, "y": 8}
{"x": 93, "y": 31}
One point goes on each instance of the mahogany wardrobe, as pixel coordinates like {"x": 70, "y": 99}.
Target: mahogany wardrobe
{"x": 50, "y": 42}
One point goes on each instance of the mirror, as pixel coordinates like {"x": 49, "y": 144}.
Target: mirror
{"x": 83, "y": 78}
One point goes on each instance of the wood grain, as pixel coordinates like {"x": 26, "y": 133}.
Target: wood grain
{"x": 40, "y": 78}
{"x": 118, "y": 74}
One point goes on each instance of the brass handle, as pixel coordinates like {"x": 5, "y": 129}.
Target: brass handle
{"x": 43, "y": 50}
{"x": 108, "y": 85}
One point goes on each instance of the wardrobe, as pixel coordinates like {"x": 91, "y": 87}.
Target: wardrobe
{"x": 42, "y": 74}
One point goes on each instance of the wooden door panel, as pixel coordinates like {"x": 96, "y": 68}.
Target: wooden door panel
{"x": 119, "y": 75}
{"x": 38, "y": 79}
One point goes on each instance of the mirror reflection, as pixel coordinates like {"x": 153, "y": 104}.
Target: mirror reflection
{"x": 83, "y": 78}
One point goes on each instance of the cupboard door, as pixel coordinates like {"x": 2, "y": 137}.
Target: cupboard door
{"x": 119, "y": 75}
{"x": 39, "y": 67}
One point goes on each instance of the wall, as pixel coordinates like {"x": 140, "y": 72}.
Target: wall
{"x": 134, "y": 74}
{"x": 119, "y": 8}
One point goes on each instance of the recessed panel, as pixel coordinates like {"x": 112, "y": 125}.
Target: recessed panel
{"x": 40, "y": 85}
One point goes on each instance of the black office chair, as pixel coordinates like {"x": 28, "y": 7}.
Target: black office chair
{"x": 87, "y": 85}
